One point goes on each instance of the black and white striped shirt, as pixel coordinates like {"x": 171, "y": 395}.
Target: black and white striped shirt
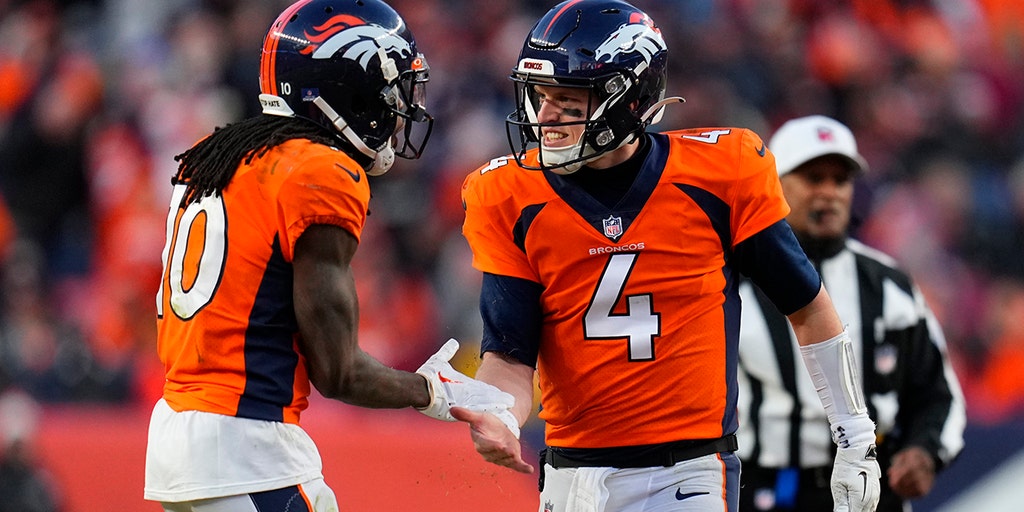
{"x": 912, "y": 393}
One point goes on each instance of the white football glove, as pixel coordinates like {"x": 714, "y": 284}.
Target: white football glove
{"x": 450, "y": 388}
{"x": 855, "y": 479}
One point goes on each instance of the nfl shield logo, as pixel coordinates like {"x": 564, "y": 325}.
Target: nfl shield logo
{"x": 612, "y": 227}
{"x": 886, "y": 358}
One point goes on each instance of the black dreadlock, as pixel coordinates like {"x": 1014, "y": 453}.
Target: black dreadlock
{"x": 208, "y": 166}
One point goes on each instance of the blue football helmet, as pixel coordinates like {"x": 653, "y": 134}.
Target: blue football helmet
{"x": 608, "y": 47}
{"x": 353, "y": 68}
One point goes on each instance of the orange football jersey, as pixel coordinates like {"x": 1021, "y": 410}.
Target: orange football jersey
{"x": 640, "y": 306}
{"x": 227, "y": 333}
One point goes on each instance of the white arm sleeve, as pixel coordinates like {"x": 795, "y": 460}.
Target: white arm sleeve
{"x": 834, "y": 374}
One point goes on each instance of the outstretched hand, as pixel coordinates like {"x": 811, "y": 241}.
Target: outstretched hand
{"x": 493, "y": 440}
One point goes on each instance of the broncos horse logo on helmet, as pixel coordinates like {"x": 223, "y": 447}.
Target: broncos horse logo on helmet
{"x": 639, "y": 35}
{"x": 356, "y": 40}
{"x": 608, "y": 47}
{"x": 353, "y": 68}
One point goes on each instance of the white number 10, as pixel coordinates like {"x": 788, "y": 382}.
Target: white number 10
{"x": 202, "y": 227}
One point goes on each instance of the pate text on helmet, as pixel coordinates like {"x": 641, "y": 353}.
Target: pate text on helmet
{"x": 352, "y": 67}
{"x": 607, "y": 47}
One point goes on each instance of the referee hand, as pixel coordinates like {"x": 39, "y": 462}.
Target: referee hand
{"x": 912, "y": 473}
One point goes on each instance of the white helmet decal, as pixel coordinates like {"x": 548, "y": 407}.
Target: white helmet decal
{"x": 630, "y": 38}
{"x": 361, "y": 42}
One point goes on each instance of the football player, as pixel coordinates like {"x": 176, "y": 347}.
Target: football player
{"x": 257, "y": 298}
{"x": 610, "y": 260}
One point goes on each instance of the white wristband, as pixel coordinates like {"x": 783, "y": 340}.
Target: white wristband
{"x": 853, "y": 431}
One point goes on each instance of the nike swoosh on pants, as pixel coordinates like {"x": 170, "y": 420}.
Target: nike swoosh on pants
{"x": 680, "y": 496}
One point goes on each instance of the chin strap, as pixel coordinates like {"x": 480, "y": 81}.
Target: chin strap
{"x": 555, "y": 156}
{"x": 383, "y": 159}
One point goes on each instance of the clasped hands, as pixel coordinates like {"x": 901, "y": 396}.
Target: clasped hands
{"x": 451, "y": 388}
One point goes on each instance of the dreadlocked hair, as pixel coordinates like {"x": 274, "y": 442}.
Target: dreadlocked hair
{"x": 208, "y": 166}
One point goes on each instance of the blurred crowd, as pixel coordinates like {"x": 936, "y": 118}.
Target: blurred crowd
{"x": 98, "y": 96}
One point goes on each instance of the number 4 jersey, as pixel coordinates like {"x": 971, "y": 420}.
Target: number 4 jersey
{"x": 640, "y": 312}
{"x": 228, "y": 337}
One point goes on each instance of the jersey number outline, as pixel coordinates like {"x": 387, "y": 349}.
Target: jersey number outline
{"x": 209, "y": 268}
{"x": 640, "y": 324}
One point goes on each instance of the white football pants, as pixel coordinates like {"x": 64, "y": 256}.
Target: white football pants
{"x": 705, "y": 484}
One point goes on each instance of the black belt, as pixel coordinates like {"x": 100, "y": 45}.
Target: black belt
{"x": 648, "y": 456}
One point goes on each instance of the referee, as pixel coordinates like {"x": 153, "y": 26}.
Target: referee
{"x": 911, "y": 391}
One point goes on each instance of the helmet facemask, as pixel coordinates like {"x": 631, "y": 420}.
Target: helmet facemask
{"x": 407, "y": 97}
{"x": 608, "y": 123}
{"x": 404, "y": 98}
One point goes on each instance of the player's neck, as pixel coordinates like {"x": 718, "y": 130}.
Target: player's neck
{"x": 618, "y": 156}
{"x": 609, "y": 185}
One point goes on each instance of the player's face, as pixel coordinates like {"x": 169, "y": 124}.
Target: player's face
{"x": 561, "y": 105}
{"x": 820, "y": 194}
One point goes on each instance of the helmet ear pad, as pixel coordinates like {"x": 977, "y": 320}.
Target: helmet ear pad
{"x": 364, "y": 110}
{"x": 620, "y": 119}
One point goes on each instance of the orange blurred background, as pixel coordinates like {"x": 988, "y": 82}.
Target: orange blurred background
{"x": 374, "y": 460}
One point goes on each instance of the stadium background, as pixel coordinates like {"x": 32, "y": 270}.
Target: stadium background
{"x": 96, "y": 97}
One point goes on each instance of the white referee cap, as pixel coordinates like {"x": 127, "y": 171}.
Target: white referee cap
{"x": 803, "y": 139}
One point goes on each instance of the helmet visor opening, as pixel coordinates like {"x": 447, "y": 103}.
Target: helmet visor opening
{"x": 525, "y": 128}
{"x": 529, "y": 101}
{"x": 415, "y": 123}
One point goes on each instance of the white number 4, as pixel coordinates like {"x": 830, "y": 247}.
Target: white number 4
{"x": 710, "y": 137}
{"x": 640, "y": 324}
